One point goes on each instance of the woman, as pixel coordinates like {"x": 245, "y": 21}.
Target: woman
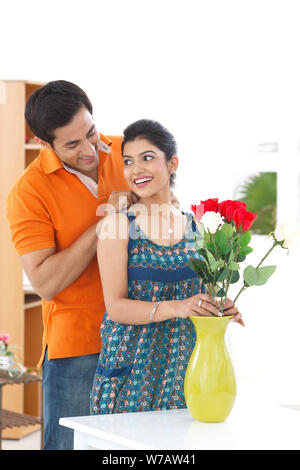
{"x": 149, "y": 290}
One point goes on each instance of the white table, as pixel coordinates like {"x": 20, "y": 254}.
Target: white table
{"x": 254, "y": 423}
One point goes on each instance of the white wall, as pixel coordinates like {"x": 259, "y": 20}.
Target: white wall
{"x": 221, "y": 75}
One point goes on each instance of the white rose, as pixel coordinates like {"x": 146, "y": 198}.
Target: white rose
{"x": 211, "y": 221}
{"x": 289, "y": 233}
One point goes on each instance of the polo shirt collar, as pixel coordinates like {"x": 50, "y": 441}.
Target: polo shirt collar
{"x": 51, "y": 162}
{"x": 105, "y": 139}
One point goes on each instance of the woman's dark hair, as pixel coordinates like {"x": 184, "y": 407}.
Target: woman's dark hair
{"x": 54, "y": 105}
{"x": 156, "y": 134}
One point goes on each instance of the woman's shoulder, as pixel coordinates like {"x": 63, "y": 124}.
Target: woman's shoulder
{"x": 113, "y": 227}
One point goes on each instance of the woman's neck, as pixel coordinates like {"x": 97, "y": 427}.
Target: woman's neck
{"x": 157, "y": 200}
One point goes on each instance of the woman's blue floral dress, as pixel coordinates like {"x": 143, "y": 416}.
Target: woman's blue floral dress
{"x": 142, "y": 367}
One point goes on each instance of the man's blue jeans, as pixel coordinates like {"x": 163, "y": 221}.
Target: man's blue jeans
{"x": 67, "y": 384}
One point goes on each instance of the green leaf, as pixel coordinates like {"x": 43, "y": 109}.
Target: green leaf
{"x": 220, "y": 238}
{"x": 234, "y": 277}
{"x": 263, "y": 274}
{"x": 201, "y": 268}
{"x": 233, "y": 266}
{"x": 202, "y": 252}
{"x": 223, "y": 273}
{"x": 195, "y": 266}
{"x": 210, "y": 246}
{"x": 224, "y": 249}
{"x": 250, "y": 275}
{"x": 221, "y": 293}
{"x": 206, "y": 236}
{"x": 213, "y": 263}
{"x": 245, "y": 238}
{"x": 206, "y": 276}
{"x": 245, "y": 250}
{"x": 216, "y": 265}
{"x": 240, "y": 258}
{"x": 210, "y": 258}
{"x": 259, "y": 276}
{"x": 199, "y": 244}
{"x": 201, "y": 271}
{"x": 227, "y": 229}
{"x": 229, "y": 256}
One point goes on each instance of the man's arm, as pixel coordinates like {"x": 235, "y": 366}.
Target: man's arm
{"x": 50, "y": 272}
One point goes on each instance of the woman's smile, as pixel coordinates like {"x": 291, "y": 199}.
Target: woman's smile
{"x": 142, "y": 181}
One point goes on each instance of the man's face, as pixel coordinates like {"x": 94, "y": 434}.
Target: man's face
{"x": 77, "y": 143}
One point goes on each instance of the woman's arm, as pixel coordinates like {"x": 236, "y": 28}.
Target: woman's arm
{"x": 113, "y": 259}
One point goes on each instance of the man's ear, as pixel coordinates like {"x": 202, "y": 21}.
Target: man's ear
{"x": 41, "y": 142}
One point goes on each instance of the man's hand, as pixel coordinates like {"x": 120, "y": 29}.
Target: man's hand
{"x": 118, "y": 200}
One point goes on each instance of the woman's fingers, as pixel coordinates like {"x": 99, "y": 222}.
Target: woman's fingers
{"x": 203, "y": 306}
{"x": 200, "y": 311}
{"x": 207, "y": 306}
{"x": 238, "y": 319}
{"x": 230, "y": 311}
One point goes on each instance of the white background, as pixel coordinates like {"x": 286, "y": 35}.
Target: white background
{"x": 223, "y": 76}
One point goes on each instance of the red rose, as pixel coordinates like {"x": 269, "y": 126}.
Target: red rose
{"x": 198, "y": 210}
{"x": 210, "y": 205}
{"x": 205, "y": 206}
{"x": 227, "y": 208}
{"x": 244, "y": 218}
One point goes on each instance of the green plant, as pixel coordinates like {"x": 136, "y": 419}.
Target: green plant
{"x": 223, "y": 243}
{"x": 259, "y": 193}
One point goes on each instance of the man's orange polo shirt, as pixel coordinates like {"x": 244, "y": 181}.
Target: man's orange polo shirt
{"x": 50, "y": 207}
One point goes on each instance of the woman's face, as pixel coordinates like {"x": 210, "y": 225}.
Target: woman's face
{"x": 146, "y": 169}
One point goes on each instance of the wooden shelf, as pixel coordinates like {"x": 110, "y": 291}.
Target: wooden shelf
{"x": 11, "y": 419}
{"x": 32, "y": 300}
{"x": 20, "y": 309}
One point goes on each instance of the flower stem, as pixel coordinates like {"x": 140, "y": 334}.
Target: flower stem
{"x": 244, "y": 287}
{"x": 267, "y": 254}
{"x": 229, "y": 279}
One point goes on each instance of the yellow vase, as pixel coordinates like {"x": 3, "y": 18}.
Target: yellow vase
{"x": 210, "y": 385}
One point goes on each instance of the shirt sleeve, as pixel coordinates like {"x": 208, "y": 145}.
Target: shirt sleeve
{"x": 30, "y": 223}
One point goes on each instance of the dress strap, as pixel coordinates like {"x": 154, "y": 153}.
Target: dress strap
{"x": 131, "y": 216}
{"x": 133, "y": 233}
{"x": 191, "y": 221}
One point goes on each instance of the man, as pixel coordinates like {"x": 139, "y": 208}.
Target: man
{"x": 52, "y": 214}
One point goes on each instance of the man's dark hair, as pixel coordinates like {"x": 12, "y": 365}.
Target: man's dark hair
{"x": 155, "y": 133}
{"x": 54, "y": 105}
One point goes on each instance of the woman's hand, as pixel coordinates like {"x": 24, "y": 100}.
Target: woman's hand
{"x": 205, "y": 306}
{"x": 200, "y": 304}
{"x": 230, "y": 309}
